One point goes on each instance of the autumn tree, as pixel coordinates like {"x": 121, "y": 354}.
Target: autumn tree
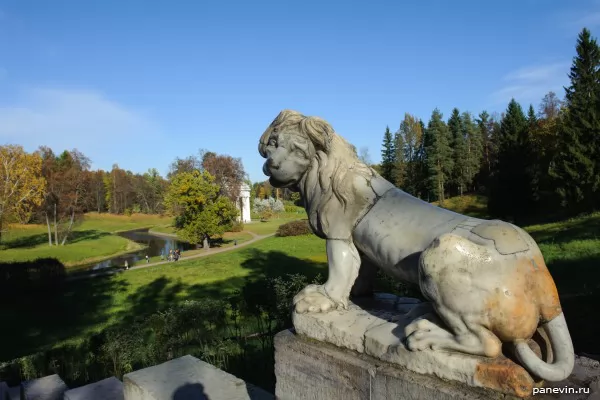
{"x": 409, "y": 155}
{"x": 63, "y": 206}
{"x": 200, "y": 211}
{"x": 439, "y": 155}
{"x": 364, "y": 155}
{"x": 21, "y": 184}
{"x": 188, "y": 164}
{"x": 228, "y": 172}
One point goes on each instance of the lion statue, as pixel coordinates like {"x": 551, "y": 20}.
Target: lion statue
{"x": 486, "y": 280}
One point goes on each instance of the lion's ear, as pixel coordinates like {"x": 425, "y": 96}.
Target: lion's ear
{"x": 319, "y": 132}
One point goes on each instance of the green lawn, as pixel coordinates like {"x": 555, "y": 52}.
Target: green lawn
{"x": 91, "y": 240}
{"x": 85, "y": 306}
{"x": 571, "y": 249}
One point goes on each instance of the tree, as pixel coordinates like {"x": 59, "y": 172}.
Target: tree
{"x": 228, "y": 172}
{"x": 21, "y": 183}
{"x": 439, "y": 155}
{"x": 576, "y": 168}
{"x": 64, "y": 200}
{"x": 474, "y": 148}
{"x": 399, "y": 172}
{"x": 388, "y": 156}
{"x": 550, "y": 106}
{"x": 511, "y": 191}
{"x": 459, "y": 174}
{"x": 200, "y": 211}
{"x": 364, "y": 156}
{"x": 409, "y": 143}
{"x": 188, "y": 164}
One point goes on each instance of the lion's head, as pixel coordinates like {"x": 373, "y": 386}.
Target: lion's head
{"x": 294, "y": 145}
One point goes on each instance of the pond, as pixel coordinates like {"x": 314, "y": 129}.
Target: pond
{"x": 155, "y": 244}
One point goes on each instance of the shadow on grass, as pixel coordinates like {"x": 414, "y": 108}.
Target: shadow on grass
{"x": 582, "y": 229}
{"x": 42, "y": 238}
{"x": 38, "y": 321}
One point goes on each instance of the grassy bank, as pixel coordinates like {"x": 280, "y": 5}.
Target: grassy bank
{"x": 92, "y": 239}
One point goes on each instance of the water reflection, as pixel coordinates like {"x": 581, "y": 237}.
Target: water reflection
{"x": 155, "y": 244}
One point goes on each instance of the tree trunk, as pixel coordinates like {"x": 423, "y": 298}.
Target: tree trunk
{"x": 69, "y": 228}
{"x": 49, "y": 230}
{"x": 55, "y": 227}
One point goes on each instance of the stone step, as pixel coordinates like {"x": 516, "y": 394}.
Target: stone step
{"x": 106, "y": 389}
{"x": 188, "y": 378}
{"x": 50, "y": 387}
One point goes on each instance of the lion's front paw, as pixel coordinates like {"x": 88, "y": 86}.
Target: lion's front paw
{"x": 314, "y": 298}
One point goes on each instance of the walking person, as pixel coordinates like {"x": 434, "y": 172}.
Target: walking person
{"x": 147, "y": 259}
{"x": 126, "y": 265}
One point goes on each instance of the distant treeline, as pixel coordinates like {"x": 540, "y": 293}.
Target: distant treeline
{"x": 528, "y": 164}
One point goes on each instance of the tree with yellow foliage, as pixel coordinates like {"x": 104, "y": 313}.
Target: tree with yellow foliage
{"x": 21, "y": 184}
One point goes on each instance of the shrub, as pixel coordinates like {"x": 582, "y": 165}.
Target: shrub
{"x": 237, "y": 227}
{"x": 294, "y": 228}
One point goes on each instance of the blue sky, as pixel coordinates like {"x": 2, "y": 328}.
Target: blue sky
{"x": 140, "y": 82}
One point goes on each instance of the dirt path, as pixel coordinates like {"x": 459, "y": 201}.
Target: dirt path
{"x": 209, "y": 252}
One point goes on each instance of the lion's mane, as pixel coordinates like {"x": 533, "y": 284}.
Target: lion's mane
{"x": 336, "y": 161}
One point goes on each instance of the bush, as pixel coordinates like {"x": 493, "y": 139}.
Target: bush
{"x": 237, "y": 227}
{"x": 294, "y": 228}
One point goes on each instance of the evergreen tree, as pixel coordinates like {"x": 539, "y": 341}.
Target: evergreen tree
{"x": 577, "y": 163}
{"x": 388, "y": 156}
{"x": 439, "y": 155}
{"x": 459, "y": 152}
{"x": 474, "y": 146}
{"x": 510, "y": 196}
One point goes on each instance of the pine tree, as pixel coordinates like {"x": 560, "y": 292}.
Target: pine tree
{"x": 474, "y": 147}
{"x": 439, "y": 155}
{"x": 459, "y": 152}
{"x": 388, "y": 156}
{"x": 510, "y": 192}
{"x": 577, "y": 164}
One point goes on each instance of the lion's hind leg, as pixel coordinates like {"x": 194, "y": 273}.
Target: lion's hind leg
{"x": 467, "y": 336}
{"x": 449, "y": 271}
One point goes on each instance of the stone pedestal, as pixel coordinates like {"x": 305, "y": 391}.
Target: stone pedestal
{"x": 47, "y": 388}
{"x": 106, "y": 389}
{"x": 309, "y": 369}
{"x": 4, "y": 394}
{"x": 187, "y": 378}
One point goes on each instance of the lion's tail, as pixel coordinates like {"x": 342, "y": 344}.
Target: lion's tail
{"x": 562, "y": 350}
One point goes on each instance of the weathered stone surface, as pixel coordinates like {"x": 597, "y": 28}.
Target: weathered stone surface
{"x": 106, "y": 389}
{"x": 47, "y": 388}
{"x": 4, "y": 394}
{"x": 309, "y": 369}
{"x": 376, "y": 328}
{"x": 14, "y": 393}
{"x": 188, "y": 378}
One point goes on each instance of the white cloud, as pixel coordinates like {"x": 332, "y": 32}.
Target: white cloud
{"x": 589, "y": 20}
{"x": 65, "y": 119}
{"x": 530, "y": 84}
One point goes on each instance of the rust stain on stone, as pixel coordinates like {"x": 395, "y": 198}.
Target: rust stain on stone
{"x": 504, "y": 375}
